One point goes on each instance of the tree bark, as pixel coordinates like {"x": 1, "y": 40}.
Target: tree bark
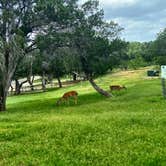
{"x": 3, "y": 103}
{"x": 98, "y": 89}
{"x": 30, "y": 81}
{"x": 3, "y": 96}
{"x": 74, "y": 76}
{"x": 5, "y": 81}
{"x": 11, "y": 88}
{"x": 59, "y": 82}
{"x": 19, "y": 86}
{"x": 4, "y": 86}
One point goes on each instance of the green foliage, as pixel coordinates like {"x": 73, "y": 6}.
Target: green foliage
{"x": 23, "y": 68}
{"x": 161, "y": 41}
{"x": 119, "y": 56}
{"x": 134, "y": 49}
{"x": 148, "y": 53}
{"x": 92, "y": 38}
{"x": 88, "y": 34}
{"x": 160, "y": 60}
{"x": 139, "y": 54}
{"x": 137, "y": 63}
{"x": 97, "y": 59}
{"x": 55, "y": 41}
{"x": 56, "y": 64}
{"x": 160, "y": 48}
{"x": 128, "y": 129}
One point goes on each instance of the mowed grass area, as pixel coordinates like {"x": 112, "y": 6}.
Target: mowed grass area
{"x": 126, "y": 130}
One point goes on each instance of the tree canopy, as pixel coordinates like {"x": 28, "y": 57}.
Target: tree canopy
{"x": 52, "y": 26}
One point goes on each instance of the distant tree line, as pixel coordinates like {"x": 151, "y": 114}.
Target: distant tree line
{"x": 140, "y": 54}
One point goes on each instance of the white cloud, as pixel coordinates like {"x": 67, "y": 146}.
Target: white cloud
{"x": 141, "y": 19}
{"x": 114, "y": 3}
{"x": 139, "y": 30}
{"x": 117, "y": 3}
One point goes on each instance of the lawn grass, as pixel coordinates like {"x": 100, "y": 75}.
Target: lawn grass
{"x": 126, "y": 130}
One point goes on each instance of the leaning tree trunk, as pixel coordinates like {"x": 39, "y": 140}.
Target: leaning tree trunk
{"x": 98, "y": 89}
{"x": 59, "y": 82}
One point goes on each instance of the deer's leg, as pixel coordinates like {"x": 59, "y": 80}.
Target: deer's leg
{"x": 67, "y": 101}
{"x": 75, "y": 98}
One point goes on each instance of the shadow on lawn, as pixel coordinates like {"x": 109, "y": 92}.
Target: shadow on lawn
{"x": 45, "y": 105}
{"x": 36, "y": 92}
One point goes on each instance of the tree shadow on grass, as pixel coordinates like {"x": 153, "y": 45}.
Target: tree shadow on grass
{"x": 44, "y": 105}
{"x": 36, "y": 92}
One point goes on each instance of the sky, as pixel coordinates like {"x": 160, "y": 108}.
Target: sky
{"x": 141, "y": 19}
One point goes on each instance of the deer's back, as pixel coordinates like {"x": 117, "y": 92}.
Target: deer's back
{"x": 117, "y": 87}
{"x": 70, "y": 94}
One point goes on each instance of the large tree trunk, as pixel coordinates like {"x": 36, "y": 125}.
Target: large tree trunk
{"x": 59, "y": 82}
{"x": 4, "y": 86}
{"x": 12, "y": 46}
{"x": 3, "y": 96}
{"x": 3, "y": 103}
{"x": 5, "y": 81}
{"x": 11, "y": 53}
{"x": 98, "y": 89}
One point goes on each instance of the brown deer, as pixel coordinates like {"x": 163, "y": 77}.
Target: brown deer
{"x": 117, "y": 87}
{"x": 66, "y": 96}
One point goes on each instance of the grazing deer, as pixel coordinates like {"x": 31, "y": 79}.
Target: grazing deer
{"x": 117, "y": 87}
{"x": 66, "y": 96}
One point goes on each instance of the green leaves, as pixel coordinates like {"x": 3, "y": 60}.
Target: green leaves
{"x": 91, "y": 38}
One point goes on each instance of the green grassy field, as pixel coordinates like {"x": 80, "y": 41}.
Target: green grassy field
{"x": 126, "y": 130}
